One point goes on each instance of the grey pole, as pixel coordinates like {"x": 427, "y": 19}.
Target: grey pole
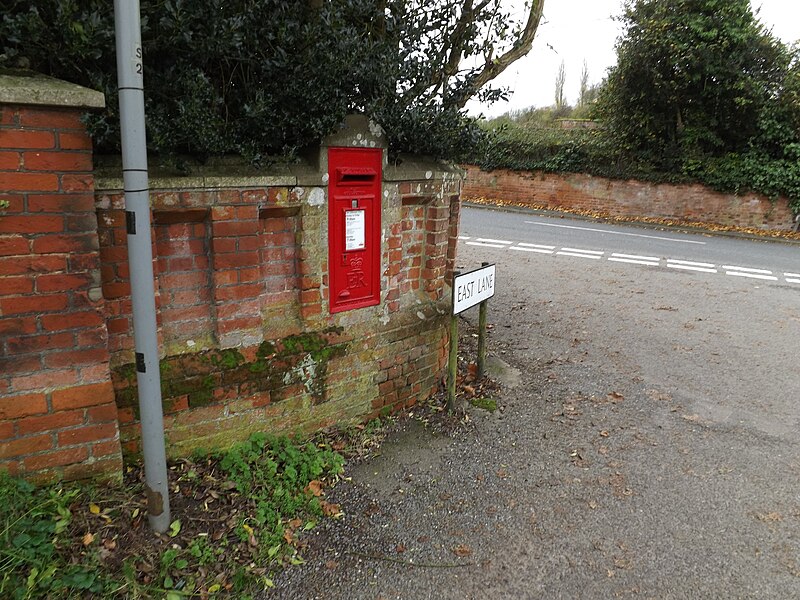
{"x": 140, "y": 257}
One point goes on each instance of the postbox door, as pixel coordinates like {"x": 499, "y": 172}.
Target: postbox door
{"x": 354, "y": 227}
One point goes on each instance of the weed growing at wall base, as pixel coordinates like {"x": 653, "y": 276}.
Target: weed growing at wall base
{"x": 238, "y": 518}
{"x": 34, "y": 527}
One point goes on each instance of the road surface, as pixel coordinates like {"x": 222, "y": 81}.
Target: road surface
{"x": 766, "y": 260}
{"x": 646, "y": 445}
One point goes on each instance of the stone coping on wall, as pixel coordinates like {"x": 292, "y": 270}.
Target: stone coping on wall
{"x": 234, "y": 172}
{"x": 19, "y": 86}
{"x": 406, "y": 168}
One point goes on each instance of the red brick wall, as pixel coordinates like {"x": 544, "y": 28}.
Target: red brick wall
{"x": 57, "y": 411}
{"x": 247, "y": 338}
{"x": 690, "y": 203}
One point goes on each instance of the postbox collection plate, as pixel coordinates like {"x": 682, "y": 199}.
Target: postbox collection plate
{"x": 354, "y": 227}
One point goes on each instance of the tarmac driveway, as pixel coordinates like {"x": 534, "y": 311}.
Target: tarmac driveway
{"x": 647, "y": 447}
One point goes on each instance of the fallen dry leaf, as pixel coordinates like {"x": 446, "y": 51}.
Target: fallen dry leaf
{"x": 314, "y": 487}
{"x": 615, "y": 397}
{"x": 770, "y": 517}
{"x": 88, "y": 538}
{"x": 462, "y": 550}
{"x": 330, "y": 510}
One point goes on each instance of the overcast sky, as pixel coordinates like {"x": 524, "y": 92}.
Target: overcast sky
{"x": 579, "y": 30}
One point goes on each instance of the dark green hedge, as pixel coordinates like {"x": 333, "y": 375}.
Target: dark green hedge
{"x": 258, "y": 78}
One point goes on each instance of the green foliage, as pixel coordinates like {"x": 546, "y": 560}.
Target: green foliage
{"x": 485, "y": 403}
{"x": 274, "y": 486}
{"x": 264, "y": 78}
{"x": 596, "y": 152}
{"x": 701, "y": 93}
{"x": 699, "y": 78}
{"x": 32, "y": 524}
{"x": 275, "y": 474}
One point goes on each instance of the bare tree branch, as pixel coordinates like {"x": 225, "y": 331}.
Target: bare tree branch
{"x": 518, "y": 50}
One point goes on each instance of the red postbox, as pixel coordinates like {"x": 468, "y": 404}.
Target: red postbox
{"x": 354, "y": 227}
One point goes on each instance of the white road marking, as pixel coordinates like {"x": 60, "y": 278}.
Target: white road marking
{"x": 746, "y": 269}
{"x": 652, "y": 237}
{"x": 633, "y": 261}
{"x": 491, "y": 241}
{"x": 580, "y": 255}
{"x": 691, "y": 268}
{"x": 527, "y": 245}
{"x": 581, "y": 250}
{"x": 539, "y": 250}
{"x": 636, "y": 256}
{"x": 751, "y": 275}
{"x": 485, "y": 245}
{"x": 688, "y": 263}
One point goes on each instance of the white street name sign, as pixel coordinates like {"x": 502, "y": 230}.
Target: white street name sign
{"x": 473, "y": 288}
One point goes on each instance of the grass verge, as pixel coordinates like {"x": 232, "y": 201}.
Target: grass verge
{"x": 238, "y": 519}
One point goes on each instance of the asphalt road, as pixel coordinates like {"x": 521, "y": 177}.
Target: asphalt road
{"x": 646, "y": 445}
{"x": 530, "y": 228}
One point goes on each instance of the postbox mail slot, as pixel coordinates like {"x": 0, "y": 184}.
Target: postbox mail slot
{"x": 355, "y": 176}
{"x": 354, "y": 227}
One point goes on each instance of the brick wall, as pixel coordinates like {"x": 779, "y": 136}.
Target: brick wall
{"x": 247, "y": 339}
{"x": 689, "y": 203}
{"x": 58, "y": 418}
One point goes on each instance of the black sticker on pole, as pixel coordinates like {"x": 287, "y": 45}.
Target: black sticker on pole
{"x": 130, "y": 222}
{"x": 140, "y": 367}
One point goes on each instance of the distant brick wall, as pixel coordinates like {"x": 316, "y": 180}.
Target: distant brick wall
{"x": 628, "y": 198}
{"x": 57, "y": 413}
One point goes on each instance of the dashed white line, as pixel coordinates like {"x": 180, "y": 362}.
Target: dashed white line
{"x": 582, "y": 251}
{"x": 635, "y": 256}
{"x": 691, "y": 268}
{"x": 491, "y": 241}
{"x": 735, "y": 271}
{"x": 652, "y": 237}
{"x": 580, "y": 255}
{"x": 746, "y": 269}
{"x": 636, "y": 259}
{"x": 525, "y": 249}
{"x": 527, "y": 245}
{"x": 689, "y": 263}
{"x": 485, "y": 245}
{"x": 633, "y": 261}
{"x": 751, "y": 275}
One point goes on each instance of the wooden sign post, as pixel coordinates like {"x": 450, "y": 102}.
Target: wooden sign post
{"x": 469, "y": 289}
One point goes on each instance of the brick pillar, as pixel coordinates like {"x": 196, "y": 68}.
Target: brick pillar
{"x": 58, "y": 419}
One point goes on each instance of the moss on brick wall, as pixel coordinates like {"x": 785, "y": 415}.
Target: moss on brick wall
{"x": 199, "y": 379}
